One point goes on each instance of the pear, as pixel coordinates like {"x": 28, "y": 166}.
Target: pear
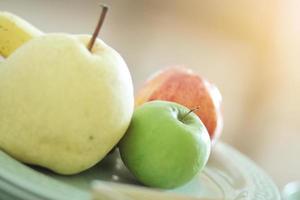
{"x": 62, "y": 106}
{"x": 14, "y": 32}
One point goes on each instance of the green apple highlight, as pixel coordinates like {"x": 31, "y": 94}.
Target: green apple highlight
{"x": 61, "y": 106}
{"x": 165, "y": 146}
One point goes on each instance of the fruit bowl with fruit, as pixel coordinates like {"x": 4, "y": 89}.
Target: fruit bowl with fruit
{"x": 70, "y": 127}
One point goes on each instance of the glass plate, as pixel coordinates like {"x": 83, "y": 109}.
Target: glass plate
{"x": 228, "y": 175}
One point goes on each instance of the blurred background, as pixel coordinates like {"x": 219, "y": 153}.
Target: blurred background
{"x": 249, "y": 48}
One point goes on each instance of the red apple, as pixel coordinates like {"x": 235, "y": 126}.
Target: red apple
{"x": 183, "y": 86}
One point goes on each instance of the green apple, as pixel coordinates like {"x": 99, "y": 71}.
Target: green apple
{"x": 62, "y": 106}
{"x": 165, "y": 145}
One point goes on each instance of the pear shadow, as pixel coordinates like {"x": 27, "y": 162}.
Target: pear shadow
{"x": 111, "y": 168}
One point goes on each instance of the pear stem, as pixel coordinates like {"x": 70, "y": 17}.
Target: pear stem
{"x": 191, "y": 110}
{"x": 98, "y": 27}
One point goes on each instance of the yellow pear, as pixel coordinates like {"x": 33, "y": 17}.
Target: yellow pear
{"x": 14, "y": 32}
{"x": 62, "y": 106}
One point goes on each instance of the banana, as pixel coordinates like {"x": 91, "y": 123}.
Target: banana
{"x": 14, "y": 32}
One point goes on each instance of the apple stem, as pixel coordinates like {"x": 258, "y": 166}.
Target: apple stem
{"x": 98, "y": 27}
{"x": 191, "y": 110}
